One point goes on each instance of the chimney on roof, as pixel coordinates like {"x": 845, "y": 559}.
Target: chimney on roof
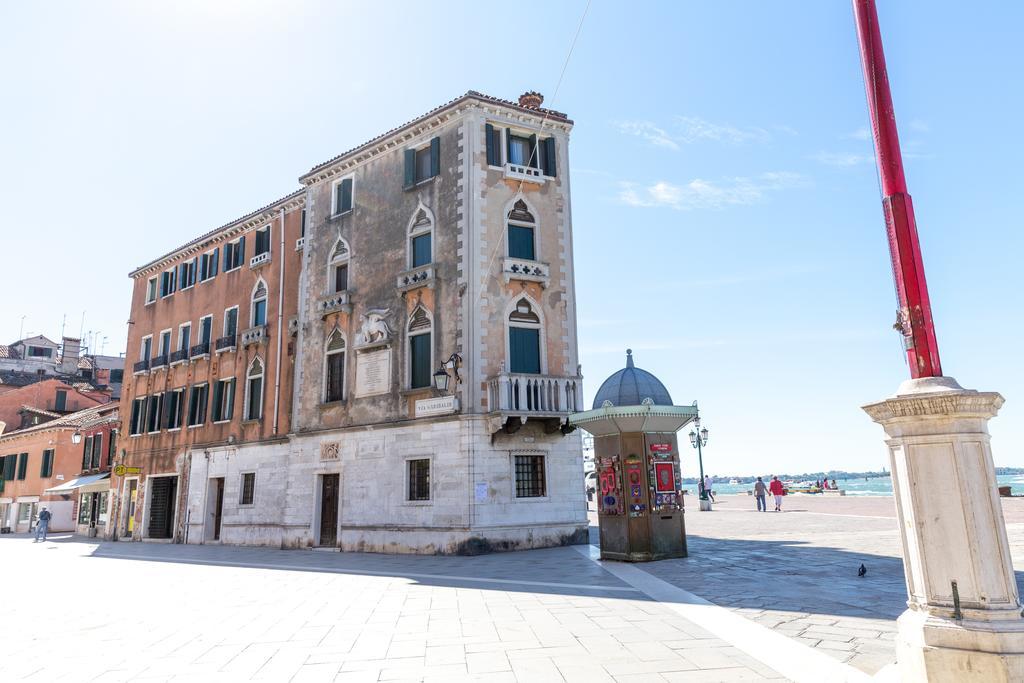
{"x": 69, "y": 356}
{"x": 531, "y": 99}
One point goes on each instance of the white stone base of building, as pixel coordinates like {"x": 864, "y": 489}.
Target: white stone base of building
{"x": 964, "y": 621}
{"x": 472, "y": 506}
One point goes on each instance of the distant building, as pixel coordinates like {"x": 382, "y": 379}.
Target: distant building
{"x": 283, "y": 366}
{"x": 29, "y": 360}
{"x": 62, "y": 464}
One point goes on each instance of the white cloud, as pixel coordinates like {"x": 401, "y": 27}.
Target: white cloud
{"x": 694, "y": 129}
{"x": 690, "y": 129}
{"x": 705, "y": 194}
{"x": 650, "y": 132}
{"x": 841, "y": 158}
{"x": 861, "y": 133}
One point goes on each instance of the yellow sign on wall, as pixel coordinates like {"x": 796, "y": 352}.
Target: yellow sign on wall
{"x": 122, "y": 470}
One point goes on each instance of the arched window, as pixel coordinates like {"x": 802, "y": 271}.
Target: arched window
{"x": 521, "y": 228}
{"x": 258, "y": 312}
{"x": 254, "y": 390}
{"x": 337, "y": 267}
{"x": 421, "y": 350}
{"x": 421, "y": 237}
{"x": 524, "y": 338}
{"x": 334, "y": 367}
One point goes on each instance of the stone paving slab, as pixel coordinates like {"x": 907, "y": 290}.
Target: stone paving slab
{"x": 796, "y": 571}
{"x": 132, "y": 611}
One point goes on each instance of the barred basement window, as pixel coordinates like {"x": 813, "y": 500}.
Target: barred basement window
{"x": 248, "y": 488}
{"x": 530, "y": 476}
{"x": 419, "y": 479}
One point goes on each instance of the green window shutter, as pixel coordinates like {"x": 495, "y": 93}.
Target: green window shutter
{"x": 435, "y": 157}
{"x": 165, "y": 413}
{"x": 520, "y": 242}
{"x": 346, "y": 195}
{"x": 22, "y": 465}
{"x": 524, "y": 347}
{"x": 534, "y": 153}
{"x": 508, "y": 145}
{"x": 214, "y": 260}
{"x": 240, "y": 254}
{"x": 215, "y": 412}
{"x": 410, "y": 169}
{"x": 492, "y": 149}
{"x": 87, "y": 453}
{"x": 550, "y": 167}
{"x": 97, "y": 450}
{"x": 133, "y": 424}
{"x": 421, "y": 250}
{"x": 419, "y": 361}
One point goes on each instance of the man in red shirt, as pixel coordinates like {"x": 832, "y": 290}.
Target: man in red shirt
{"x": 776, "y": 490}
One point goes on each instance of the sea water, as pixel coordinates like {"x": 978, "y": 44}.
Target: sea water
{"x": 875, "y": 486}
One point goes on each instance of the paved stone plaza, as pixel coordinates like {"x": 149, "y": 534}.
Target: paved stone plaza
{"x": 166, "y": 612}
{"x": 796, "y": 571}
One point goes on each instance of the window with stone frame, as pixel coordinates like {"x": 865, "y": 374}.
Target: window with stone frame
{"x": 262, "y": 245}
{"x": 174, "y": 404}
{"x": 522, "y": 232}
{"x": 343, "y": 196}
{"x": 151, "y": 285}
{"x": 223, "y": 404}
{"x": 422, "y": 163}
{"x": 419, "y": 479}
{"x": 254, "y": 391}
{"x": 247, "y": 488}
{"x": 421, "y": 237}
{"x": 197, "y": 404}
{"x": 530, "y": 476}
{"x": 258, "y": 313}
{"x": 420, "y": 350}
{"x": 524, "y": 339}
{"x": 337, "y": 267}
{"x": 334, "y": 368}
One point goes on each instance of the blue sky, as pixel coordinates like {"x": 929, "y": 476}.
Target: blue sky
{"x": 727, "y": 219}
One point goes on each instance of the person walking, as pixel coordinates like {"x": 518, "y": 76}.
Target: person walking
{"x": 759, "y": 490}
{"x": 43, "y": 525}
{"x": 776, "y": 490}
{"x": 707, "y": 487}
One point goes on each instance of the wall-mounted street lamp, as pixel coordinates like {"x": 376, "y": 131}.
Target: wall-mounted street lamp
{"x": 699, "y": 439}
{"x": 441, "y": 377}
{"x": 76, "y": 437}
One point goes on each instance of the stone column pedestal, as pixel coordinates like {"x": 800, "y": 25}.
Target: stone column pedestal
{"x": 705, "y": 504}
{"x": 964, "y": 619}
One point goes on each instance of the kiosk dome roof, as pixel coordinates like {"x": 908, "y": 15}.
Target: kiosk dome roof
{"x": 630, "y": 386}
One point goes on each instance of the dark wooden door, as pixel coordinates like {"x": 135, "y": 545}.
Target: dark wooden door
{"x": 218, "y": 511}
{"x": 161, "y": 506}
{"x": 329, "y": 510}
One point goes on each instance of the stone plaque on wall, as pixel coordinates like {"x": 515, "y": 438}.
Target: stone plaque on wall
{"x": 373, "y": 372}
{"x": 329, "y": 450}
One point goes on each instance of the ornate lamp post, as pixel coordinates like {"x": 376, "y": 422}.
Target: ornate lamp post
{"x": 699, "y": 439}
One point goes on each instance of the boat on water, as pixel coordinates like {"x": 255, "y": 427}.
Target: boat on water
{"x": 734, "y": 481}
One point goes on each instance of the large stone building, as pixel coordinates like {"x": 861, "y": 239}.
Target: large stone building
{"x": 444, "y": 243}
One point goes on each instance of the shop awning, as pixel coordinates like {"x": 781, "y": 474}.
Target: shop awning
{"x": 70, "y": 486}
